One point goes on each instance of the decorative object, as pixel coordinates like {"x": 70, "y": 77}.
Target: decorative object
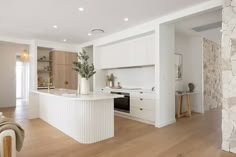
{"x": 24, "y": 56}
{"x": 84, "y": 88}
{"x": 178, "y": 66}
{"x": 85, "y": 70}
{"x": 78, "y": 87}
{"x": 110, "y": 80}
{"x": 191, "y": 87}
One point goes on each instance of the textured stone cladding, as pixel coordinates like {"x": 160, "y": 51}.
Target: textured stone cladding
{"x": 229, "y": 76}
{"x": 212, "y": 74}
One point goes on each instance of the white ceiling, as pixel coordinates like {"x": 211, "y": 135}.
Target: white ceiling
{"x": 185, "y": 25}
{"x": 33, "y": 19}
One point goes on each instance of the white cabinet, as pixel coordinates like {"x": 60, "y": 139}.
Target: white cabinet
{"x": 142, "y": 114}
{"x": 135, "y": 52}
{"x": 144, "y": 51}
{"x": 142, "y": 106}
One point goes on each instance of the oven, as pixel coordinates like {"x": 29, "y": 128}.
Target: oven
{"x": 122, "y": 104}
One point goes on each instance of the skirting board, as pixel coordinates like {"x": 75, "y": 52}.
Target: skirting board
{"x": 165, "y": 123}
{"x": 133, "y": 118}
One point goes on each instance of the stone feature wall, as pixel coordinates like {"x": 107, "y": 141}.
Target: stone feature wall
{"x": 212, "y": 74}
{"x": 229, "y": 76}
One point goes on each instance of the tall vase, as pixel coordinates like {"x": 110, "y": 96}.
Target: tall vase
{"x": 84, "y": 86}
{"x": 78, "y": 87}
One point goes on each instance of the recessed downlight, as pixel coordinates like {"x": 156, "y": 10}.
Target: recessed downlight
{"x": 126, "y": 19}
{"x": 89, "y": 34}
{"x": 81, "y": 9}
{"x": 55, "y": 26}
{"x": 65, "y": 40}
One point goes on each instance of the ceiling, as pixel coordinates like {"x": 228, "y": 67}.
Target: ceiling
{"x": 34, "y": 19}
{"x": 185, "y": 25}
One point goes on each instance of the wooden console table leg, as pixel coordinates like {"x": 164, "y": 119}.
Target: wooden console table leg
{"x": 7, "y": 146}
{"x": 179, "y": 112}
{"x": 188, "y": 105}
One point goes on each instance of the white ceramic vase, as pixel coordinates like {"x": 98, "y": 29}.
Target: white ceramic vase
{"x": 84, "y": 86}
{"x": 78, "y": 87}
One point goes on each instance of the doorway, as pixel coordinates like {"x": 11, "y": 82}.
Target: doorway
{"x": 19, "y": 79}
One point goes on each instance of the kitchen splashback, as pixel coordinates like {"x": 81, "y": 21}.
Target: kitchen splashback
{"x": 140, "y": 77}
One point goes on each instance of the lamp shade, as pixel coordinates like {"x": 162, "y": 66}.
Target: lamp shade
{"x": 24, "y": 56}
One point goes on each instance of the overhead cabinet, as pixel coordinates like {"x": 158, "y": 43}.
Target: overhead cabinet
{"x": 135, "y": 52}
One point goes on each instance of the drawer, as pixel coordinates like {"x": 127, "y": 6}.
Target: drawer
{"x": 143, "y": 95}
{"x": 147, "y": 104}
{"x": 142, "y": 114}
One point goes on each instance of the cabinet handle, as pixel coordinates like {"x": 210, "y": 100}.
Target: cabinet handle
{"x": 141, "y": 109}
{"x": 141, "y": 92}
{"x": 141, "y": 99}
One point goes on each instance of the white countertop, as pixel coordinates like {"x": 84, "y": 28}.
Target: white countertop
{"x": 72, "y": 94}
{"x": 129, "y": 90}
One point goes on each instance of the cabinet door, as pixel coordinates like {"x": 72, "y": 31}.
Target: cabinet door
{"x": 115, "y": 56}
{"x": 140, "y": 51}
{"x": 71, "y": 57}
{"x": 142, "y": 114}
{"x": 107, "y": 57}
{"x": 65, "y": 77}
{"x": 150, "y": 50}
{"x": 71, "y": 78}
{"x": 59, "y": 57}
{"x": 136, "y": 52}
{"x": 59, "y": 76}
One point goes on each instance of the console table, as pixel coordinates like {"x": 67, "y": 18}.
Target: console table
{"x": 180, "y": 96}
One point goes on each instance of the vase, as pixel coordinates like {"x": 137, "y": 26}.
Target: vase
{"x": 110, "y": 84}
{"x": 78, "y": 87}
{"x": 84, "y": 86}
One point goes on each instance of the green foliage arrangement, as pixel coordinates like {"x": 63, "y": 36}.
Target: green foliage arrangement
{"x": 82, "y": 66}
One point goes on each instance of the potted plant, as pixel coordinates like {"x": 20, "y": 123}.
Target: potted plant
{"x": 85, "y": 70}
{"x": 110, "y": 80}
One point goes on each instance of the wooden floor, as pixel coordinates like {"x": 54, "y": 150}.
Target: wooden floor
{"x": 199, "y": 136}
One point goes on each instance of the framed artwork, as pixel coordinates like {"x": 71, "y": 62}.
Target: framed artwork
{"x": 178, "y": 66}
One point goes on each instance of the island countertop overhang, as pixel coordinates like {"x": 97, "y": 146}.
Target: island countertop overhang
{"x": 72, "y": 95}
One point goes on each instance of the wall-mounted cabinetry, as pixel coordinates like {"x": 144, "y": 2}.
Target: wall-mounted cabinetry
{"x": 134, "y": 52}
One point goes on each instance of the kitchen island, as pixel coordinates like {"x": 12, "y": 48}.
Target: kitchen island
{"x": 85, "y": 118}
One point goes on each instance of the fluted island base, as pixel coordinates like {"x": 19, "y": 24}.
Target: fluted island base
{"x": 86, "y": 121}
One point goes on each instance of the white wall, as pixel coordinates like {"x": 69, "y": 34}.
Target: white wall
{"x": 165, "y": 107}
{"x": 8, "y": 53}
{"x": 139, "y": 77}
{"x": 192, "y": 50}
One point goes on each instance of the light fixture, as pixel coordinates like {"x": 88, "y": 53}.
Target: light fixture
{"x": 64, "y": 40}
{"x": 81, "y": 9}
{"x": 126, "y": 19}
{"x": 89, "y": 34}
{"x": 97, "y": 31}
{"x": 55, "y": 26}
{"x": 24, "y": 56}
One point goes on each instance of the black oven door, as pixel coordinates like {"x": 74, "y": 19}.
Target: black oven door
{"x": 122, "y": 104}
